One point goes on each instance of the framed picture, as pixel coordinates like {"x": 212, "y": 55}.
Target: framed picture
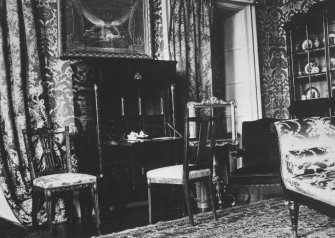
{"x": 104, "y": 28}
{"x": 225, "y": 112}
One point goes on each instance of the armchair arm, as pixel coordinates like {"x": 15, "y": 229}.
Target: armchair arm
{"x": 238, "y": 153}
{"x": 235, "y": 159}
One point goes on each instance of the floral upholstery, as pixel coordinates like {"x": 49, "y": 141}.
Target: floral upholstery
{"x": 307, "y": 153}
{"x": 63, "y": 180}
{"x": 310, "y": 160}
{"x": 173, "y": 174}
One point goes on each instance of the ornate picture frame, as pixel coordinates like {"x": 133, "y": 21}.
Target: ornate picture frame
{"x": 104, "y": 28}
{"x": 208, "y": 107}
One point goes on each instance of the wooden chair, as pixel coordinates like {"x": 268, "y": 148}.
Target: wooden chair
{"x": 49, "y": 158}
{"x": 199, "y": 142}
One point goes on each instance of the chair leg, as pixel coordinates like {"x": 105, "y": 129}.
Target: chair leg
{"x": 48, "y": 200}
{"x": 85, "y": 209}
{"x": 182, "y": 202}
{"x": 53, "y": 207}
{"x": 293, "y": 208}
{"x": 69, "y": 204}
{"x": 34, "y": 208}
{"x": 211, "y": 196}
{"x": 188, "y": 201}
{"x": 149, "y": 203}
{"x": 95, "y": 202}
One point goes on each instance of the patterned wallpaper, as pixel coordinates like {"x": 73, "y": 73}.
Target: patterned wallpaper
{"x": 58, "y": 73}
{"x": 65, "y": 98}
{"x": 271, "y": 16}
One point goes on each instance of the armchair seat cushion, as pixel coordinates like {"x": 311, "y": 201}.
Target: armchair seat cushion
{"x": 256, "y": 170}
{"x": 63, "y": 180}
{"x": 173, "y": 174}
{"x": 255, "y": 175}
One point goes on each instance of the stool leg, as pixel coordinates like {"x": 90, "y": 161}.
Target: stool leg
{"x": 95, "y": 202}
{"x": 149, "y": 203}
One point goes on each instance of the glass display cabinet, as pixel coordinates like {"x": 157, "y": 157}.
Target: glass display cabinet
{"x": 311, "y": 60}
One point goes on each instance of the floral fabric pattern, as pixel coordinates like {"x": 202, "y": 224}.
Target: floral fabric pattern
{"x": 21, "y": 101}
{"x": 35, "y": 91}
{"x": 308, "y": 157}
{"x": 271, "y": 16}
{"x": 190, "y": 45}
{"x": 311, "y": 160}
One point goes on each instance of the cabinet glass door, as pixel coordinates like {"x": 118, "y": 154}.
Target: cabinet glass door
{"x": 331, "y": 43}
{"x": 309, "y": 63}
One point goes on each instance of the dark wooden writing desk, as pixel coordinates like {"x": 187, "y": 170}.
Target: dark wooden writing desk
{"x": 126, "y": 162}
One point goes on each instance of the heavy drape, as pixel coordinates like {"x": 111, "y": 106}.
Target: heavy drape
{"x": 22, "y": 101}
{"x": 190, "y": 45}
{"x": 35, "y": 90}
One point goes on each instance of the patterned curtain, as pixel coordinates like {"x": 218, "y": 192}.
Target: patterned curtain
{"x": 22, "y": 101}
{"x": 190, "y": 45}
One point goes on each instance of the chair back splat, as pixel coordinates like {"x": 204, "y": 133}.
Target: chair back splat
{"x": 199, "y": 142}
{"x": 51, "y": 153}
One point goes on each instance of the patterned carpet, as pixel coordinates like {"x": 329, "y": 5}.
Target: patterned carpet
{"x": 268, "y": 218}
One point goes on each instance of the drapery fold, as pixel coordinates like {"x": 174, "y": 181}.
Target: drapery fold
{"x": 190, "y": 45}
{"x": 35, "y": 90}
{"x": 21, "y": 101}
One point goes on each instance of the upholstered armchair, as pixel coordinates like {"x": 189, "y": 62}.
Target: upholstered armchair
{"x": 307, "y": 154}
{"x": 258, "y": 155}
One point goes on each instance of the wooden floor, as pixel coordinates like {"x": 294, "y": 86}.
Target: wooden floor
{"x": 117, "y": 221}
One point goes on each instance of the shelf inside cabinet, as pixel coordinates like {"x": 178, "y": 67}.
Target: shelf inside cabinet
{"x": 315, "y": 50}
{"x": 309, "y": 75}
